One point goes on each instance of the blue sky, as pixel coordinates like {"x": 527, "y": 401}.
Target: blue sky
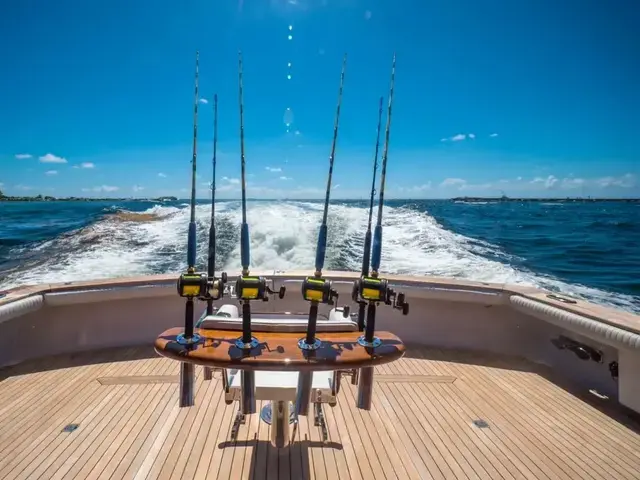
{"x": 527, "y": 97}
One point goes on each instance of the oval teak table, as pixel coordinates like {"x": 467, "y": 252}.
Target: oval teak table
{"x": 279, "y": 351}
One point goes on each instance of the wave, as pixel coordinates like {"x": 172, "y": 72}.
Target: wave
{"x": 283, "y": 237}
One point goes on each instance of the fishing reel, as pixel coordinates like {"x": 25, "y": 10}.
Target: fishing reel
{"x": 198, "y": 285}
{"x": 374, "y": 289}
{"x": 317, "y": 289}
{"x": 192, "y": 284}
{"x": 252, "y": 288}
{"x": 256, "y": 288}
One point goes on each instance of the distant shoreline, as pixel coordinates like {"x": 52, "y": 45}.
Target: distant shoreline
{"x": 537, "y": 199}
{"x": 43, "y": 198}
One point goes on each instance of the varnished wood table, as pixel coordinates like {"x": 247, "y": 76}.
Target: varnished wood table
{"x": 280, "y": 351}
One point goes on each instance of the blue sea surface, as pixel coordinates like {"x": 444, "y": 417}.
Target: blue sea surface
{"x": 586, "y": 249}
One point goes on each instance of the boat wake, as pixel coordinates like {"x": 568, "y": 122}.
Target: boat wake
{"x": 283, "y": 237}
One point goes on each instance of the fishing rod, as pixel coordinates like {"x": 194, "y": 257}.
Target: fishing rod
{"x": 316, "y": 289}
{"x": 247, "y": 287}
{"x": 217, "y": 285}
{"x": 366, "y": 257}
{"x": 191, "y": 284}
{"x": 373, "y": 289}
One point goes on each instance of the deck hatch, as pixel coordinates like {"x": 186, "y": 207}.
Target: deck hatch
{"x": 480, "y": 423}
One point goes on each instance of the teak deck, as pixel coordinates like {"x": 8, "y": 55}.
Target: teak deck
{"x": 436, "y": 414}
{"x": 280, "y": 351}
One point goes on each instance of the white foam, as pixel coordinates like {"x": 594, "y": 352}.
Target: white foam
{"x": 283, "y": 237}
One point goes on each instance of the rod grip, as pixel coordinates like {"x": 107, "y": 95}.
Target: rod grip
{"x": 211, "y": 262}
{"x": 245, "y": 254}
{"x": 188, "y": 318}
{"x": 366, "y": 257}
{"x": 377, "y": 248}
{"x": 322, "y": 247}
{"x": 191, "y": 245}
{"x": 246, "y": 322}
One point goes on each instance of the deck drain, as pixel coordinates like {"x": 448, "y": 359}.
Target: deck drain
{"x": 480, "y": 423}
{"x": 70, "y": 428}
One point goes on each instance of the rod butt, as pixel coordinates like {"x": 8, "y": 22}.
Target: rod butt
{"x": 187, "y": 384}
{"x": 248, "y": 386}
{"x": 303, "y": 397}
{"x": 365, "y": 388}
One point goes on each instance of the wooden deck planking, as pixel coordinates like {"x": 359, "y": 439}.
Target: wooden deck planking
{"x": 420, "y": 426}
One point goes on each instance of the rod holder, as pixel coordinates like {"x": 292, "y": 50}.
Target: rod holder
{"x": 365, "y": 388}
{"x": 248, "y": 387}
{"x": 303, "y": 396}
{"x": 187, "y": 384}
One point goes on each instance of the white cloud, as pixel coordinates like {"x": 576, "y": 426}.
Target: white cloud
{"x": 493, "y": 135}
{"x": 233, "y": 181}
{"x": 23, "y": 156}
{"x": 519, "y": 179}
{"x": 229, "y": 187}
{"x": 457, "y": 138}
{"x": 628, "y": 180}
{"x": 104, "y": 188}
{"x": 273, "y": 169}
{"x": 23, "y": 187}
{"x": 477, "y": 186}
{"x": 51, "y": 158}
{"x": 548, "y": 182}
{"x": 51, "y": 172}
{"x": 453, "y": 182}
{"x": 337, "y": 185}
{"x": 85, "y": 165}
{"x": 162, "y": 175}
{"x": 137, "y": 188}
{"x": 203, "y": 100}
{"x": 289, "y": 178}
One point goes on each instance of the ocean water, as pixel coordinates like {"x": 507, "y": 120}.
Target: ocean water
{"x": 585, "y": 250}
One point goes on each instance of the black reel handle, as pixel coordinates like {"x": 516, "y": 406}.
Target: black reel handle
{"x": 250, "y": 288}
{"x": 317, "y": 290}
